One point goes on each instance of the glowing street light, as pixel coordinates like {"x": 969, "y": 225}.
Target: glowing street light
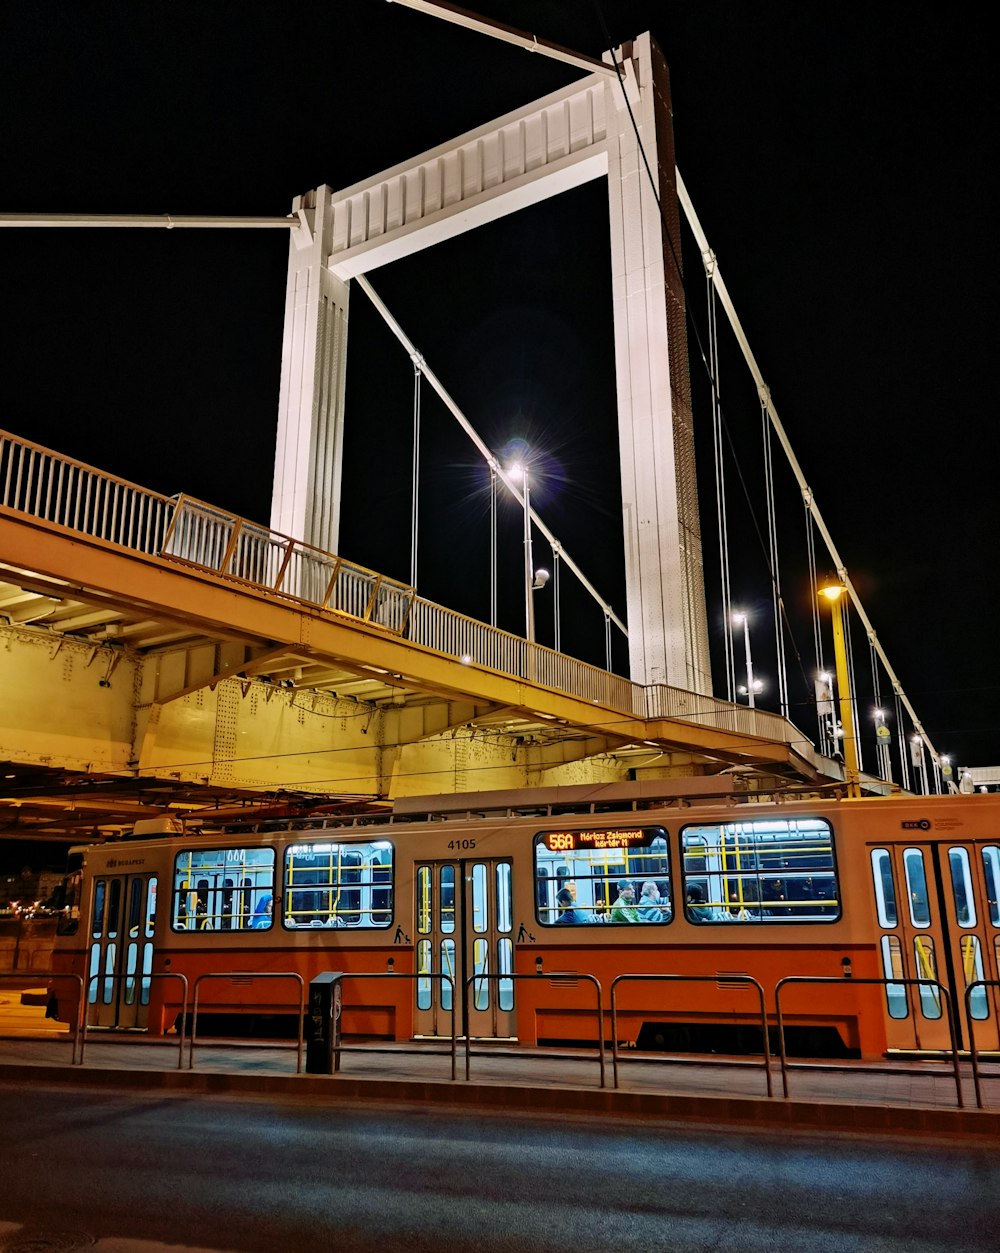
{"x": 533, "y": 579}
{"x": 752, "y": 686}
{"x": 834, "y": 592}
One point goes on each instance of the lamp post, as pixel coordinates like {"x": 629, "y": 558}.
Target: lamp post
{"x": 883, "y": 739}
{"x": 752, "y": 687}
{"x": 834, "y": 593}
{"x": 532, "y": 579}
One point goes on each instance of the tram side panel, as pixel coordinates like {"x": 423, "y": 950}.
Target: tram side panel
{"x": 713, "y": 893}
{"x": 711, "y": 900}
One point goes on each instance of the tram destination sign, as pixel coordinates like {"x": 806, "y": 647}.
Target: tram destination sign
{"x": 602, "y": 838}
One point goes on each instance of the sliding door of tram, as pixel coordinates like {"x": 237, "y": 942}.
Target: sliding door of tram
{"x": 939, "y": 913}
{"x": 463, "y": 913}
{"x": 121, "y": 951}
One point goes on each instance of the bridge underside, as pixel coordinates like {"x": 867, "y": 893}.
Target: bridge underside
{"x": 136, "y": 686}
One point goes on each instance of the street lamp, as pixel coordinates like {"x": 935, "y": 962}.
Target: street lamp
{"x": 833, "y": 592}
{"x": 883, "y": 739}
{"x": 752, "y": 686}
{"x": 533, "y": 579}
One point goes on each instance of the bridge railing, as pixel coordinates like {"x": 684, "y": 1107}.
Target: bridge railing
{"x": 59, "y": 490}
{"x": 70, "y": 494}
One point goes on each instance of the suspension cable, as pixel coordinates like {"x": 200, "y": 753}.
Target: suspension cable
{"x": 493, "y": 546}
{"x": 720, "y": 485}
{"x": 772, "y": 535}
{"x": 854, "y": 688}
{"x": 824, "y": 739}
{"x": 489, "y": 457}
{"x": 415, "y": 503}
{"x": 556, "y": 550}
{"x": 904, "y": 762}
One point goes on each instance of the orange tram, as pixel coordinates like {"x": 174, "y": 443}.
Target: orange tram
{"x": 574, "y": 881}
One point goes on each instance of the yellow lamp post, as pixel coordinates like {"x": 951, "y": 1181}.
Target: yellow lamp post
{"x": 834, "y": 592}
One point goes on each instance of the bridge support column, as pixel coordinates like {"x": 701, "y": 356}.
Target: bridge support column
{"x": 668, "y": 633}
{"x": 307, "y": 466}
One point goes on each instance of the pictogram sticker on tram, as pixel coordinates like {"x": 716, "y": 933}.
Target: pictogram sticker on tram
{"x": 916, "y": 824}
{"x": 400, "y": 937}
{"x": 524, "y": 935}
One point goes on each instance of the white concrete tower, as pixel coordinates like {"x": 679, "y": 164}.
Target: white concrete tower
{"x": 307, "y": 465}
{"x": 579, "y": 133}
{"x": 664, "y": 576}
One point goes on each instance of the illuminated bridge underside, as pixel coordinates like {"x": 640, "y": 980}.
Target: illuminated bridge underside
{"x": 135, "y": 682}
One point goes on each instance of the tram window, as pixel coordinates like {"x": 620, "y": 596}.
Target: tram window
{"x": 972, "y": 969}
{"x": 991, "y": 869}
{"x": 505, "y": 966}
{"x": 424, "y": 901}
{"x": 892, "y": 968}
{"x": 447, "y": 882}
{"x": 150, "y": 907}
{"x": 69, "y": 894}
{"x": 611, "y": 875}
{"x": 961, "y": 886}
{"x": 447, "y": 968}
{"x": 760, "y": 870}
{"x": 503, "y": 896}
{"x": 114, "y": 907}
{"x": 204, "y": 889}
{"x": 885, "y": 888}
{"x": 480, "y": 898}
{"x": 423, "y": 973}
{"x": 338, "y": 885}
{"x": 100, "y": 892}
{"x": 382, "y": 887}
{"x": 926, "y": 964}
{"x": 135, "y": 908}
{"x": 916, "y": 887}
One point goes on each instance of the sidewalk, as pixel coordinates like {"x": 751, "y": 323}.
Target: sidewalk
{"x": 904, "y": 1098}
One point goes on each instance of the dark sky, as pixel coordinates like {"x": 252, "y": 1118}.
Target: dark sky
{"x": 838, "y": 158}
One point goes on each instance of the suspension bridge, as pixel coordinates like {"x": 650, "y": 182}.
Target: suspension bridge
{"x": 162, "y": 656}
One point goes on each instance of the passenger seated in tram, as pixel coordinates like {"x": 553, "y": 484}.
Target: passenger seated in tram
{"x": 262, "y": 914}
{"x": 624, "y": 910}
{"x": 566, "y": 908}
{"x": 652, "y": 907}
{"x": 697, "y": 910}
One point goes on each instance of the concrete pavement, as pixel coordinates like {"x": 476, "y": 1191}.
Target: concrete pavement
{"x": 909, "y": 1098}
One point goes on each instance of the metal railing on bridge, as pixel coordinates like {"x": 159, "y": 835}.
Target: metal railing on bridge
{"x": 44, "y": 485}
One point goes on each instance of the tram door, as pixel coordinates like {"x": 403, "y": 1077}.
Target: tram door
{"x": 121, "y": 951}
{"x": 463, "y": 916}
{"x": 938, "y": 910}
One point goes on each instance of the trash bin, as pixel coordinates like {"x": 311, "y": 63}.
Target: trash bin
{"x": 323, "y": 1024}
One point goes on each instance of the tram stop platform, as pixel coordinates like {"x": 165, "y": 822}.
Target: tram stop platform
{"x": 909, "y": 1098}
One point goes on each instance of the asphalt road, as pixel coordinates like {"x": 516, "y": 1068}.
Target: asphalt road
{"x": 130, "y": 1173}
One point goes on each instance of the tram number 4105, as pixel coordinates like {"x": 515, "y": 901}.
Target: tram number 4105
{"x": 460, "y": 844}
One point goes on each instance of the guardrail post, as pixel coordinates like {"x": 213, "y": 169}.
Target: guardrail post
{"x": 552, "y": 976}
{"x": 253, "y": 974}
{"x": 161, "y": 974}
{"x": 833, "y": 979}
{"x": 747, "y": 979}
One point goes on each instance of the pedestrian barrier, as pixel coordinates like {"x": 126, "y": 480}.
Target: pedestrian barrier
{"x": 338, "y": 978}
{"x": 32, "y": 976}
{"x": 973, "y": 1049}
{"x": 730, "y": 979}
{"x": 847, "y": 982}
{"x": 242, "y": 975}
{"x": 163, "y": 974}
{"x": 556, "y": 978}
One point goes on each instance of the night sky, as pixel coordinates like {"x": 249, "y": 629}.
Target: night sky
{"x": 837, "y": 156}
